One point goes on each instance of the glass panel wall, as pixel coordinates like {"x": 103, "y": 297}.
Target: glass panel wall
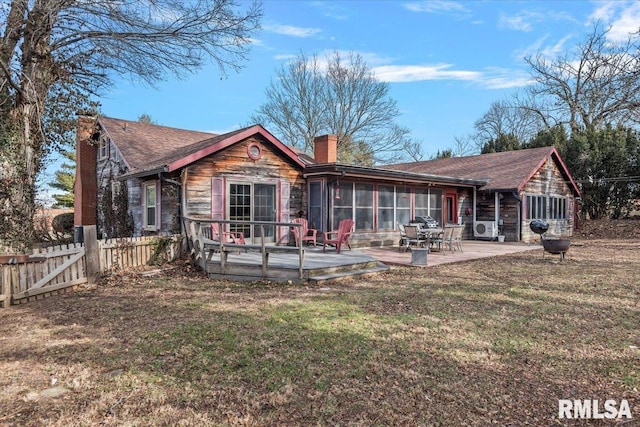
{"x": 364, "y": 206}
{"x": 385, "y": 207}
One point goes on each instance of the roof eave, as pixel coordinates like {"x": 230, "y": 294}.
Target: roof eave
{"x": 221, "y": 145}
{"x": 391, "y": 175}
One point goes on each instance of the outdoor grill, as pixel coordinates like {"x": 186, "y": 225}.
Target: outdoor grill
{"x": 426, "y": 221}
{"x": 553, "y": 246}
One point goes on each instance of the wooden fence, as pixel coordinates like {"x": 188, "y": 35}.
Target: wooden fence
{"x": 126, "y": 253}
{"x": 52, "y": 270}
{"x": 47, "y": 272}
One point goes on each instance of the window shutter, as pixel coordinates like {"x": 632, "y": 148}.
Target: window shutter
{"x": 284, "y": 215}
{"x": 217, "y": 197}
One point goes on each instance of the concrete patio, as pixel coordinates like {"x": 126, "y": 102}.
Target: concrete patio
{"x": 472, "y": 249}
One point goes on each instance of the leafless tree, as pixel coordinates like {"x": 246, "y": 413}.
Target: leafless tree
{"x": 596, "y": 84}
{"x": 55, "y": 54}
{"x": 507, "y": 117}
{"x": 341, "y": 97}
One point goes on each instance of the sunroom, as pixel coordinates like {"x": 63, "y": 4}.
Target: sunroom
{"x": 378, "y": 200}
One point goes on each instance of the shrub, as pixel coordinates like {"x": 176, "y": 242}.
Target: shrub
{"x": 63, "y": 223}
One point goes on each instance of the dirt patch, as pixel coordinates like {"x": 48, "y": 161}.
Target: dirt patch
{"x": 609, "y": 229}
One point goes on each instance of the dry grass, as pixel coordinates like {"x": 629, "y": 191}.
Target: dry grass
{"x": 496, "y": 341}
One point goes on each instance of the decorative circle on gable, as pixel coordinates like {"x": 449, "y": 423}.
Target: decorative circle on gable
{"x": 254, "y": 151}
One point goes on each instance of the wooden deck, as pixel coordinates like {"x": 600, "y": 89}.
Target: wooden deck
{"x": 317, "y": 266}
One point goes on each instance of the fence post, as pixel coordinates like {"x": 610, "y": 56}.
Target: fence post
{"x": 91, "y": 252}
{"x": 6, "y": 284}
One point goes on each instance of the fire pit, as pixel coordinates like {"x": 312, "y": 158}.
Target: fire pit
{"x": 554, "y": 245}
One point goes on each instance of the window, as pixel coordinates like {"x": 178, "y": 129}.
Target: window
{"x": 385, "y": 207}
{"x": 429, "y": 203}
{"x": 364, "y": 206}
{"x": 103, "y": 148}
{"x": 315, "y": 205}
{"x": 151, "y": 203}
{"x": 422, "y": 202}
{"x": 342, "y": 203}
{"x": 116, "y": 188}
{"x": 536, "y": 207}
{"x": 403, "y": 205}
{"x": 557, "y": 208}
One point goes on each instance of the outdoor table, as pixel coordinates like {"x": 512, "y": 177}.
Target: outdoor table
{"x": 428, "y": 233}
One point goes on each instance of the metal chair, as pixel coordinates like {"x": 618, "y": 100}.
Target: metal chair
{"x": 413, "y": 237}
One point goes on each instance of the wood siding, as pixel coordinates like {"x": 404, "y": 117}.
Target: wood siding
{"x": 550, "y": 182}
{"x": 234, "y": 164}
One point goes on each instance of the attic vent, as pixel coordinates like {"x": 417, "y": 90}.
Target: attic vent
{"x": 124, "y": 126}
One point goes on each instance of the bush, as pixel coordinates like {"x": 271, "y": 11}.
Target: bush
{"x": 63, "y": 223}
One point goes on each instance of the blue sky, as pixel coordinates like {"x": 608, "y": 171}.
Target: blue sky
{"x": 445, "y": 61}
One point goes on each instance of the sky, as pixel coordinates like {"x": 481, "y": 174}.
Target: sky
{"x": 445, "y": 61}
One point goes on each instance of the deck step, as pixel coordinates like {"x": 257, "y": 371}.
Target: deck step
{"x": 348, "y": 273}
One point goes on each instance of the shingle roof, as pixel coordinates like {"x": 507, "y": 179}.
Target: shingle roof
{"x": 143, "y": 145}
{"x": 149, "y": 148}
{"x": 504, "y": 171}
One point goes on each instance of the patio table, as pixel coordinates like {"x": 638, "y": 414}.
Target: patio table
{"x": 428, "y": 233}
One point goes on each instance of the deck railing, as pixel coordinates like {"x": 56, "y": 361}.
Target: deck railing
{"x": 199, "y": 234}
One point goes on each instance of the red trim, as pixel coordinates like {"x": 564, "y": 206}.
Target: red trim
{"x": 563, "y": 168}
{"x": 234, "y": 139}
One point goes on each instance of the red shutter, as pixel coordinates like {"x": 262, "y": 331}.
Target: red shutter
{"x": 283, "y": 214}
{"x": 217, "y": 197}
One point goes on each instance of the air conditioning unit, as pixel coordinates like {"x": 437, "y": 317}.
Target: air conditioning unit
{"x": 485, "y": 229}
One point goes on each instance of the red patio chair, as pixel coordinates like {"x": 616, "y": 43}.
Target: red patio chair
{"x": 229, "y": 237}
{"x": 341, "y": 235}
{"x": 307, "y": 234}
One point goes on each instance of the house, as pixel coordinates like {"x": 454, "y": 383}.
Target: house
{"x": 148, "y": 177}
{"x": 521, "y": 186}
{"x": 168, "y": 173}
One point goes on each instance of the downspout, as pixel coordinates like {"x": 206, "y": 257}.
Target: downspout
{"x": 496, "y": 210}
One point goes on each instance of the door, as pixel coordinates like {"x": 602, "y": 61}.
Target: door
{"x": 264, "y": 209}
{"x": 253, "y": 202}
{"x": 451, "y": 208}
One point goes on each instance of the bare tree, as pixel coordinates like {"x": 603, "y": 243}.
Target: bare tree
{"x": 295, "y": 103}
{"x": 343, "y": 98}
{"x": 55, "y": 54}
{"x": 507, "y": 117}
{"x": 598, "y": 83}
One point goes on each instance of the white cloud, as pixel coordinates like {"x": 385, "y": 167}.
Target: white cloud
{"x": 442, "y": 7}
{"x": 625, "y": 24}
{"x": 549, "y": 51}
{"x": 518, "y": 23}
{"x": 412, "y": 73}
{"x": 490, "y": 78}
{"x": 290, "y": 30}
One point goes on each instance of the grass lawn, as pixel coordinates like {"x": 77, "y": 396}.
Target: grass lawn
{"x": 494, "y": 341}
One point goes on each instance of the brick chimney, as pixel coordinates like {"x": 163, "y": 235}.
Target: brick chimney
{"x": 85, "y": 187}
{"x": 325, "y": 148}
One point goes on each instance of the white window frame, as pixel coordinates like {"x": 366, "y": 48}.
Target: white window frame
{"x": 104, "y": 147}
{"x": 145, "y": 208}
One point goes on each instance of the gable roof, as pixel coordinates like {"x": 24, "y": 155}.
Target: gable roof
{"x": 504, "y": 171}
{"x": 143, "y": 143}
{"x": 148, "y": 149}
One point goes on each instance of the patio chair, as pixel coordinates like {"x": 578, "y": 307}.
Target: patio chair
{"x": 340, "y": 236}
{"x": 456, "y": 238}
{"x": 442, "y": 239}
{"x": 304, "y": 233}
{"x": 403, "y": 236}
{"x": 236, "y": 237}
{"x": 413, "y": 237}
